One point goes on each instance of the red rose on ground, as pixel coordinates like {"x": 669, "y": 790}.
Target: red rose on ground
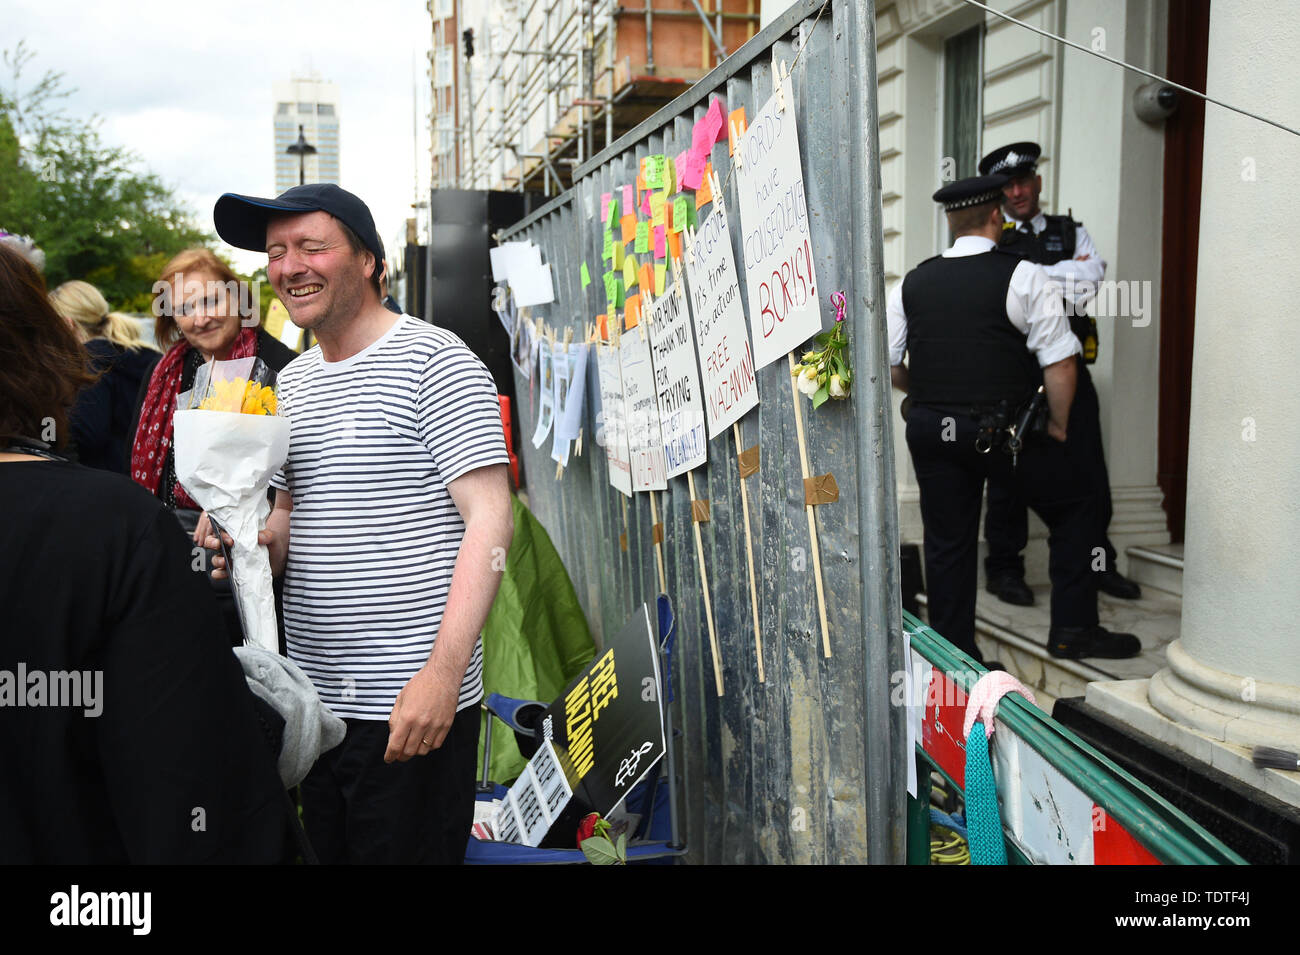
{"x": 587, "y": 828}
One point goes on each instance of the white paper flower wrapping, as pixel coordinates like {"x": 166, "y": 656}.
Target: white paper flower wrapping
{"x": 226, "y": 461}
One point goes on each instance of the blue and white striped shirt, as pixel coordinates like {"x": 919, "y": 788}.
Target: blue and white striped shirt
{"x": 375, "y": 439}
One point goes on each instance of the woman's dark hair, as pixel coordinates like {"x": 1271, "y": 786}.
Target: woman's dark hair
{"x": 42, "y": 364}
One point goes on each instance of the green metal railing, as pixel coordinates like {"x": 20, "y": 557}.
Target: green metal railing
{"x": 1166, "y": 832}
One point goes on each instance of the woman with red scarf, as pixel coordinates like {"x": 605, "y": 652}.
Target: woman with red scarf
{"x": 198, "y": 311}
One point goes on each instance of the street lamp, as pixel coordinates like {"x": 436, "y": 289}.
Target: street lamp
{"x": 302, "y": 149}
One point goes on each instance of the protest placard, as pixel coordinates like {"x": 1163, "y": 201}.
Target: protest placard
{"x": 677, "y": 384}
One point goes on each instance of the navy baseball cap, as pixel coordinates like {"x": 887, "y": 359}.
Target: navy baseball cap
{"x": 241, "y": 220}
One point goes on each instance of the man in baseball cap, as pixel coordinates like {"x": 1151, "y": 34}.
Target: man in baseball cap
{"x": 396, "y": 482}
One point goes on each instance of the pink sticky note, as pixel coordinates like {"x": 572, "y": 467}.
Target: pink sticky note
{"x": 679, "y": 166}
{"x": 645, "y": 203}
{"x": 629, "y": 198}
{"x": 692, "y": 173}
{"x": 604, "y": 205}
{"x": 661, "y": 244}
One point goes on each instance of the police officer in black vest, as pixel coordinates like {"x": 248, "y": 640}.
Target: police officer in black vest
{"x": 987, "y": 343}
{"x": 1066, "y": 251}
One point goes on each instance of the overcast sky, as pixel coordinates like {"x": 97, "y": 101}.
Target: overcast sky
{"x": 188, "y": 87}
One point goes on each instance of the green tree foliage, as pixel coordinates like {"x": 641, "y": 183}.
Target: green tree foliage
{"x": 95, "y": 214}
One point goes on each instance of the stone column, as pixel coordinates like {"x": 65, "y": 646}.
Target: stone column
{"x": 1235, "y": 673}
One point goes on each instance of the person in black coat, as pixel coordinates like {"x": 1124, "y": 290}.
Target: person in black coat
{"x": 103, "y": 419}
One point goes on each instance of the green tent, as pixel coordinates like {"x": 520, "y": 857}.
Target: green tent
{"x": 536, "y": 637}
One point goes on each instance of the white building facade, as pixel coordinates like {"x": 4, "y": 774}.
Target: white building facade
{"x": 309, "y": 102}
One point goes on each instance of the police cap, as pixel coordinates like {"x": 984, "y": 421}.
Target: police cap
{"x": 972, "y": 191}
{"x": 1017, "y": 159}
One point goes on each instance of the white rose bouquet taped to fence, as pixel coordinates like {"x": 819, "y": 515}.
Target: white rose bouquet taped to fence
{"x": 229, "y": 442}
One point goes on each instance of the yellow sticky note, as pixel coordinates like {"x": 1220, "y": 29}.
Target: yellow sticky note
{"x": 657, "y": 208}
{"x": 661, "y": 273}
{"x": 619, "y": 252}
{"x": 629, "y": 271}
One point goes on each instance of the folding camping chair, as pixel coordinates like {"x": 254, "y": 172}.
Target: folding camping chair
{"x": 657, "y": 836}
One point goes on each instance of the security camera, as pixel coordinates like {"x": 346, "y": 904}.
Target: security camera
{"x": 1154, "y": 102}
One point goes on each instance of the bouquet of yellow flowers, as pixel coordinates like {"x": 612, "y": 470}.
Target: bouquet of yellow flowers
{"x": 230, "y": 439}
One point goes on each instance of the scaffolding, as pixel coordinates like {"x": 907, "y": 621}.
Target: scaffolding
{"x": 553, "y": 82}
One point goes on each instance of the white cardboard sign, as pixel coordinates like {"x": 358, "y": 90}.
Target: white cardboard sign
{"x": 726, "y": 358}
{"x": 777, "y": 250}
{"x": 614, "y": 428}
{"x": 644, "y": 440}
{"x": 677, "y": 383}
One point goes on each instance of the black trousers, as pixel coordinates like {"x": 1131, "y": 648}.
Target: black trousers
{"x": 1006, "y": 522}
{"x": 951, "y": 475}
{"x": 360, "y": 810}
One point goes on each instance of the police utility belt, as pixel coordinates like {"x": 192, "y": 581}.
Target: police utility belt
{"x": 1003, "y": 426}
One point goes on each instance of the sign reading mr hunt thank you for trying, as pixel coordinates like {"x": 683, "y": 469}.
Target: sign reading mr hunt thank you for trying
{"x": 677, "y": 384}
{"x": 779, "y": 273}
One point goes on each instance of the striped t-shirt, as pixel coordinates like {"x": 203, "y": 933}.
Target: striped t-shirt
{"x": 374, "y": 533}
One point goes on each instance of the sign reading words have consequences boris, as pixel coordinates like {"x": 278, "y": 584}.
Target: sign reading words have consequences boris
{"x": 726, "y": 360}
{"x": 779, "y": 270}
{"x": 642, "y": 410}
{"x": 677, "y": 384}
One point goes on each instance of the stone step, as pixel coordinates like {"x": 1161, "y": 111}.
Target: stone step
{"x": 1158, "y": 566}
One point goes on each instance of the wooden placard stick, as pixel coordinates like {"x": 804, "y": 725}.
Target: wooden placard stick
{"x": 659, "y": 544}
{"x": 696, "y": 516}
{"x": 749, "y": 558}
{"x": 812, "y": 520}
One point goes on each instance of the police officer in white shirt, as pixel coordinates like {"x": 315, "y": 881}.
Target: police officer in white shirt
{"x": 1067, "y": 253}
{"x": 982, "y": 329}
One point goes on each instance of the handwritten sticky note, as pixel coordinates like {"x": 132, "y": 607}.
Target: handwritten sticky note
{"x": 604, "y": 207}
{"x": 586, "y": 276}
{"x": 647, "y": 277}
{"x": 704, "y": 195}
{"x": 657, "y": 208}
{"x": 679, "y": 169}
{"x": 629, "y": 228}
{"x": 715, "y": 120}
{"x": 628, "y": 202}
{"x": 661, "y": 273}
{"x": 675, "y": 244}
{"x": 620, "y": 295}
{"x": 629, "y": 271}
{"x": 735, "y": 127}
{"x": 659, "y": 242}
{"x": 632, "y": 317}
{"x": 642, "y": 237}
{"x": 611, "y": 287}
{"x": 681, "y": 213}
{"x": 654, "y": 171}
{"x": 607, "y": 251}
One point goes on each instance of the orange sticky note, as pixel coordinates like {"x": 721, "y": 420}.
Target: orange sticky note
{"x": 735, "y": 127}
{"x": 668, "y": 216}
{"x": 629, "y": 228}
{"x": 632, "y": 312}
{"x": 647, "y": 278}
{"x": 675, "y": 244}
{"x": 704, "y": 195}
{"x": 602, "y": 327}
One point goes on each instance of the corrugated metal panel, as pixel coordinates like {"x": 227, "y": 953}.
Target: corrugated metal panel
{"x": 808, "y": 766}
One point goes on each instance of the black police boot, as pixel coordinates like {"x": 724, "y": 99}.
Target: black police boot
{"x": 1011, "y": 589}
{"x": 1117, "y": 585}
{"x": 1074, "y": 643}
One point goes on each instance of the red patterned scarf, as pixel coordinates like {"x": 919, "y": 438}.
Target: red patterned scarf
{"x": 154, "y": 436}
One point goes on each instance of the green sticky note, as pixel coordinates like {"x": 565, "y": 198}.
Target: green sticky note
{"x": 680, "y": 215}
{"x": 629, "y": 271}
{"x": 691, "y": 214}
{"x": 642, "y": 237}
{"x": 611, "y": 287}
{"x": 586, "y": 276}
{"x": 613, "y": 215}
{"x": 620, "y": 294}
{"x": 654, "y": 171}
{"x": 608, "y": 250}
